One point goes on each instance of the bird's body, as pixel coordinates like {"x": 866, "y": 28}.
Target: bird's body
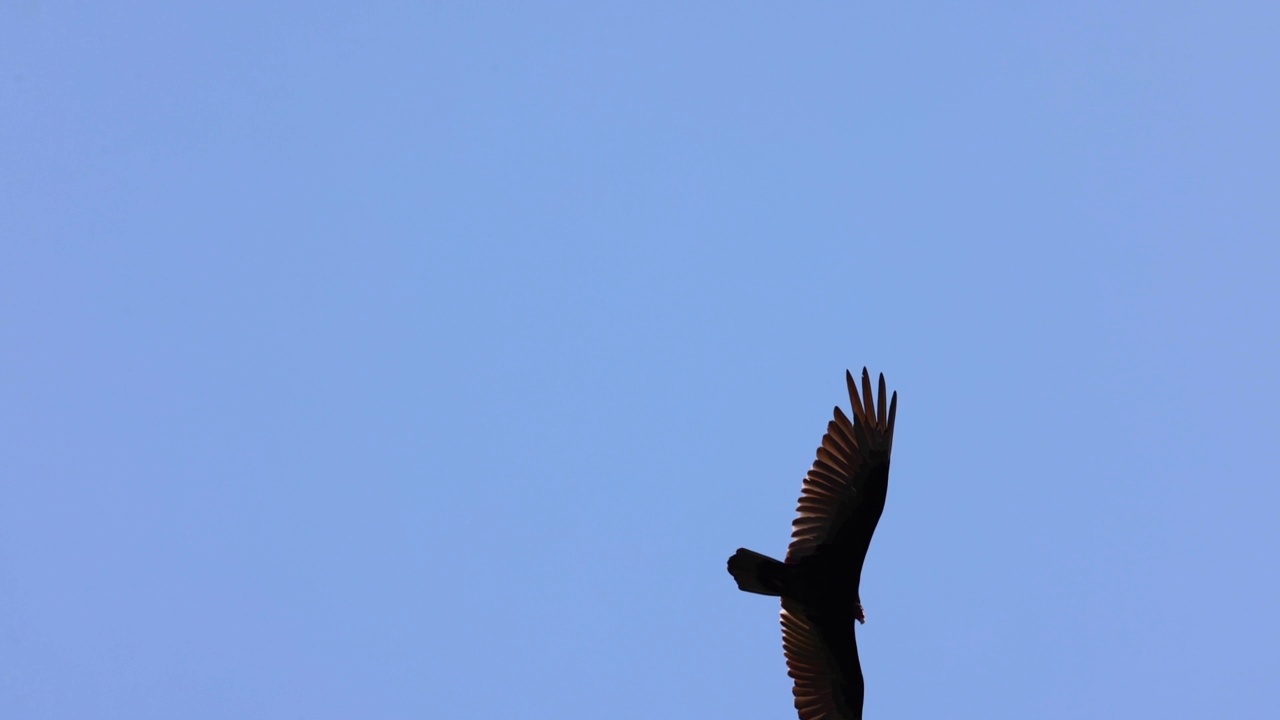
{"x": 840, "y": 505}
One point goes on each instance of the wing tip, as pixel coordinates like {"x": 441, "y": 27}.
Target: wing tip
{"x": 869, "y": 406}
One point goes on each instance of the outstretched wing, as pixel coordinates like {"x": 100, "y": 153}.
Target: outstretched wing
{"x": 822, "y": 660}
{"x": 835, "y": 507}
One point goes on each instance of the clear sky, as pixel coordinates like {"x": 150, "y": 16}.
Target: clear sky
{"x": 428, "y": 360}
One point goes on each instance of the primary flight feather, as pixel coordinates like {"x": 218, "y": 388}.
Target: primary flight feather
{"x": 840, "y": 504}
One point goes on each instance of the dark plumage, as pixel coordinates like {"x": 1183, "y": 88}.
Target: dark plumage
{"x": 840, "y": 504}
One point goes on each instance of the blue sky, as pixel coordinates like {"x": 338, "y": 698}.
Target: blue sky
{"x": 429, "y": 359}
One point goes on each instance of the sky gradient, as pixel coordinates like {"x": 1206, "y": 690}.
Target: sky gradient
{"x": 429, "y": 360}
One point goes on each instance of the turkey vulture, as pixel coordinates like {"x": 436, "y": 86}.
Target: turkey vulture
{"x": 840, "y": 504}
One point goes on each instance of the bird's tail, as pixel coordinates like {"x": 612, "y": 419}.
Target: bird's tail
{"x": 756, "y": 573}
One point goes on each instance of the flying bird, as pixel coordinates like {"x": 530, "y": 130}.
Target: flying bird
{"x": 840, "y": 504}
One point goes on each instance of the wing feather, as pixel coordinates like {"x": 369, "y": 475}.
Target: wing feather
{"x": 893, "y": 413}
{"x": 867, "y": 398}
{"x": 855, "y": 402}
{"x": 880, "y": 403}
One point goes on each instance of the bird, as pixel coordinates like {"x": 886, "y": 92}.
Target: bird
{"x": 841, "y": 500}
